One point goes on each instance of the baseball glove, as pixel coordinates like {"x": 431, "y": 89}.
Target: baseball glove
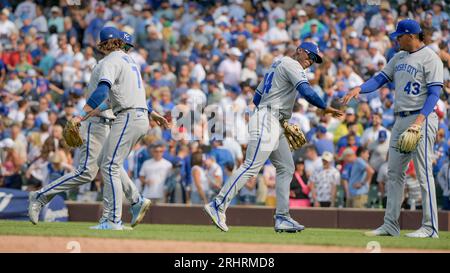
{"x": 294, "y": 135}
{"x": 71, "y": 134}
{"x": 409, "y": 139}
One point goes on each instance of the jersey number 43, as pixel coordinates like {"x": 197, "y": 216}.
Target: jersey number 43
{"x": 412, "y": 88}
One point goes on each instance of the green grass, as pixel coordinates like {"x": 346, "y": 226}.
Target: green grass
{"x": 310, "y": 236}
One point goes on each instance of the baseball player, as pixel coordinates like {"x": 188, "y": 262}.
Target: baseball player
{"x": 119, "y": 77}
{"x": 417, "y": 73}
{"x": 274, "y": 100}
{"x": 94, "y": 132}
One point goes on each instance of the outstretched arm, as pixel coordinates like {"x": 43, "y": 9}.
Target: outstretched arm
{"x": 311, "y": 96}
{"x": 369, "y": 86}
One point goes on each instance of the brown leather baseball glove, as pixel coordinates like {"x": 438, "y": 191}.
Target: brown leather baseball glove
{"x": 409, "y": 139}
{"x": 294, "y": 135}
{"x": 71, "y": 134}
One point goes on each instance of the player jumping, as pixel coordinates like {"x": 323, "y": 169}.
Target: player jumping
{"x": 274, "y": 99}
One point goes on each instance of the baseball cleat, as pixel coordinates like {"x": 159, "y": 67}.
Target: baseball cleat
{"x": 377, "y": 232}
{"x": 138, "y": 210}
{"x": 422, "y": 233}
{"x": 108, "y": 225}
{"x": 218, "y": 217}
{"x": 34, "y": 207}
{"x": 287, "y": 224}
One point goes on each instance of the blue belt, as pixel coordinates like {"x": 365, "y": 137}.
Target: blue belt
{"x": 407, "y": 113}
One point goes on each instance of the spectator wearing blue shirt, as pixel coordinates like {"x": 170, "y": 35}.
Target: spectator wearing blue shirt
{"x": 2, "y": 71}
{"x": 352, "y": 131}
{"x": 388, "y": 117}
{"x": 166, "y": 101}
{"x": 140, "y": 155}
{"x": 93, "y": 30}
{"x": 241, "y": 30}
{"x": 439, "y": 15}
{"x": 440, "y": 149}
{"x": 322, "y": 143}
{"x": 357, "y": 177}
{"x": 223, "y": 156}
{"x": 443, "y": 180}
{"x": 158, "y": 81}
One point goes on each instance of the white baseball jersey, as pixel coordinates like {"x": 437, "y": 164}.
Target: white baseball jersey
{"x": 412, "y": 73}
{"x": 278, "y": 89}
{"x": 93, "y": 82}
{"x": 120, "y": 70}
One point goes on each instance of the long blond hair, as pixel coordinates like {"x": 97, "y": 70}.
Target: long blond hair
{"x": 110, "y": 45}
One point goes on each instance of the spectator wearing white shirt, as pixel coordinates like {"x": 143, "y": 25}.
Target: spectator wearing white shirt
{"x": 297, "y": 25}
{"x": 18, "y": 115}
{"x": 276, "y": 12}
{"x": 249, "y": 72}
{"x": 351, "y": 78}
{"x": 6, "y": 26}
{"x": 324, "y": 182}
{"x": 14, "y": 84}
{"x": 196, "y": 98}
{"x": 359, "y": 23}
{"x": 256, "y": 44}
{"x": 198, "y": 72}
{"x": 313, "y": 162}
{"x": 154, "y": 173}
{"x": 299, "y": 118}
{"x": 231, "y": 67}
{"x": 237, "y": 10}
{"x": 26, "y": 8}
{"x": 40, "y": 22}
{"x": 376, "y": 58}
{"x": 234, "y": 147}
{"x": 200, "y": 191}
{"x": 379, "y": 150}
{"x": 371, "y": 134}
{"x": 278, "y": 35}
{"x": 214, "y": 174}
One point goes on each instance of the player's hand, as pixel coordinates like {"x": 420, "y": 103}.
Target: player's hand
{"x": 334, "y": 112}
{"x": 354, "y": 93}
{"x": 357, "y": 185}
{"x": 160, "y": 120}
{"x": 94, "y": 112}
{"x": 77, "y": 119}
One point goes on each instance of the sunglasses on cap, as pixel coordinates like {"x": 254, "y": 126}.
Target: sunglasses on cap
{"x": 311, "y": 55}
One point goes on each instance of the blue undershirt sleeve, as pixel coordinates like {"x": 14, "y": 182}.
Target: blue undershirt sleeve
{"x": 310, "y": 95}
{"x": 99, "y": 94}
{"x": 374, "y": 83}
{"x": 433, "y": 97}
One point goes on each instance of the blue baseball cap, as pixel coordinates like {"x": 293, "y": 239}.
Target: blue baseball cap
{"x": 406, "y": 26}
{"x": 236, "y": 89}
{"x": 126, "y": 38}
{"x": 109, "y": 33}
{"x": 312, "y": 49}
